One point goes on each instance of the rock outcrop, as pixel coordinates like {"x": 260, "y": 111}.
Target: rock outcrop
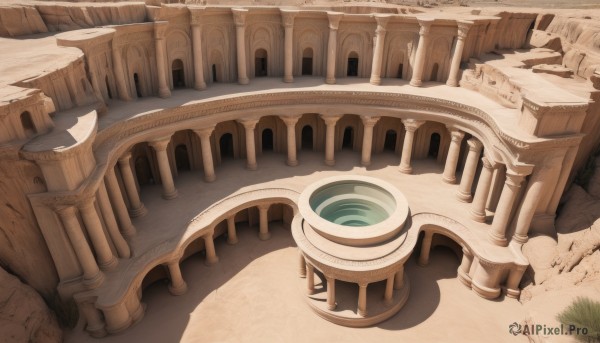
{"x": 24, "y": 317}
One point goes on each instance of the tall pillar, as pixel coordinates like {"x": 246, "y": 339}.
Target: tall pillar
{"x": 469, "y": 171}
{"x": 239, "y": 18}
{"x": 177, "y": 285}
{"x": 249, "y": 126}
{"x": 287, "y": 18}
{"x": 302, "y": 265}
{"x": 166, "y": 177}
{"x": 457, "y": 136}
{"x": 388, "y": 296}
{"x": 111, "y": 223}
{"x": 160, "y": 27}
{"x": 512, "y": 284}
{"x": 425, "y": 249}
{"x": 119, "y": 73}
{"x": 95, "y": 324}
{"x": 567, "y": 165}
{"x": 483, "y": 190}
{"x": 330, "y": 293}
{"x": 465, "y": 267}
{"x": 290, "y": 123}
{"x": 263, "y": 215}
{"x": 410, "y": 126}
{"x": 362, "y": 298}
{"x": 334, "y": 22}
{"x": 116, "y": 199}
{"x": 137, "y": 207}
{"x": 209, "y": 246}
{"x": 399, "y": 278}
{"x": 207, "y": 158}
{"x": 330, "y": 138}
{"x": 463, "y": 29}
{"x": 106, "y": 259}
{"x": 497, "y": 183}
{"x": 421, "y": 51}
{"x": 367, "y": 144}
{"x": 310, "y": 278}
{"x": 196, "y": 20}
{"x": 92, "y": 276}
{"x": 231, "y": 232}
{"x": 505, "y": 206}
{"x": 382, "y": 20}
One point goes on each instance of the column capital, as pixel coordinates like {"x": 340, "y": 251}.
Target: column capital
{"x": 330, "y": 119}
{"x": 514, "y": 180}
{"x": 66, "y": 211}
{"x": 334, "y": 19}
{"x": 249, "y": 124}
{"x": 411, "y": 125}
{"x": 204, "y": 131}
{"x": 488, "y": 163}
{"x": 463, "y": 28}
{"x": 425, "y": 24}
{"x": 466, "y": 252}
{"x": 263, "y": 207}
{"x": 160, "y": 27}
{"x": 290, "y": 120}
{"x": 475, "y": 144}
{"x": 382, "y": 21}
{"x": 239, "y": 16}
{"x": 287, "y": 17}
{"x": 456, "y": 135}
{"x": 124, "y": 159}
{"x": 363, "y": 283}
{"x": 161, "y": 143}
{"x": 369, "y": 121}
{"x": 86, "y": 203}
{"x": 196, "y": 14}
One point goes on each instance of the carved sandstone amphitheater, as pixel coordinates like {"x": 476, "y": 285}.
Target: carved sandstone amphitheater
{"x": 116, "y": 150}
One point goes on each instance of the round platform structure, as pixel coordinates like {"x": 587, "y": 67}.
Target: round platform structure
{"x": 350, "y": 231}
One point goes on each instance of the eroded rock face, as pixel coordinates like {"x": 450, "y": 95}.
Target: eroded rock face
{"x": 24, "y": 317}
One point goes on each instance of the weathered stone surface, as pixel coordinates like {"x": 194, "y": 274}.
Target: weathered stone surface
{"x": 24, "y": 317}
{"x": 20, "y": 20}
{"x": 543, "y": 39}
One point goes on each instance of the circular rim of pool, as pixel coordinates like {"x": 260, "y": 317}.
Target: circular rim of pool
{"x": 355, "y": 235}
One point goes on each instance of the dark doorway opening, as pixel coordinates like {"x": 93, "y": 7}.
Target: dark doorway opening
{"x": 434, "y": 145}
{"x": 182, "y": 159}
{"x": 107, "y": 87}
{"x": 178, "y": 75}
{"x": 226, "y": 146}
{"x": 390, "y": 141}
{"x": 434, "y": 72}
{"x": 143, "y": 171}
{"x": 136, "y": 82}
{"x": 214, "y": 72}
{"x": 260, "y": 63}
{"x": 352, "y": 65}
{"x": 307, "y": 137}
{"x": 400, "y": 69}
{"x": 307, "y": 61}
{"x": 27, "y": 123}
{"x": 267, "y": 140}
{"x": 348, "y": 139}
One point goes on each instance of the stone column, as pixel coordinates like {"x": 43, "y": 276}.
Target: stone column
{"x": 290, "y": 123}
{"x": 468, "y": 174}
{"x": 399, "y": 278}
{"x": 207, "y": 158}
{"x": 287, "y": 17}
{"x": 425, "y": 249}
{"x": 111, "y": 223}
{"x": 330, "y": 293}
{"x": 302, "y": 268}
{"x": 382, "y": 20}
{"x": 567, "y": 165}
{"x": 199, "y": 83}
{"x": 137, "y": 207}
{"x": 482, "y": 192}
{"x": 421, "y": 51}
{"x": 209, "y": 246}
{"x": 465, "y": 267}
{"x": 449, "y": 175}
{"x": 504, "y": 208}
{"x": 249, "y": 126}
{"x": 310, "y": 278}
{"x": 119, "y": 73}
{"x": 512, "y": 284}
{"x": 95, "y": 324}
{"x": 239, "y": 18}
{"x": 168, "y": 186}
{"x": 411, "y": 126}
{"x": 160, "y": 27}
{"x": 231, "y": 232}
{"x": 106, "y": 259}
{"x": 463, "y": 29}
{"x": 388, "y": 297}
{"x": 263, "y": 214}
{"x": 330, "y": 138}
{"x": 92, "y": 276}
{"x": 177, "y": 285}
{"x": 367, "y": 143}
{"x": 362, "y": 299}
{"x": 116, "y": 199}
{"x": 334, "y": 22}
